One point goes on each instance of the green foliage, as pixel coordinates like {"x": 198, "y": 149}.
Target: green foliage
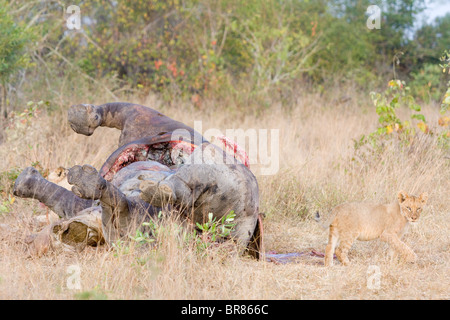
{"x": 206, "y": 235}
{"x": 346, "y": 33}
{"x": 7, "y": 179}
{"x": 354, "y": 52}
{"x": 444, "y": 121}
{"x": 445, "y": 59}
{"x": 149, "y": 233}
{"x": 386, "y": 104}
{"x": 390, "y": 125}
{"x": 13, "y": 39}
{"x": 248, "y": 51}
{"x": 426, "y": 83}
{"x": 213, "y": 230}
{"x": 279, "y": 47}
{"x": 94, "y": 294}
{"x": 141, "y": 237}
{"x": 5, "y": 206}
{"x": 120, "y": 248}
{"x": 187, "y": 47}
{"x": 431, "y": 40}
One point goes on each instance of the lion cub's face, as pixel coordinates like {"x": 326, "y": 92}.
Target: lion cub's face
{"x": 411, "y": 206}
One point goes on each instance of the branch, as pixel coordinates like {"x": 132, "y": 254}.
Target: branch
{"x": 82, "y": 73}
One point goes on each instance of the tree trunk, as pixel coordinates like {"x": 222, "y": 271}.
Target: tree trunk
{"x": 3, "y": 102}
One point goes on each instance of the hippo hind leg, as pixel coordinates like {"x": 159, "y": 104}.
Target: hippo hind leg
{"x": 171, "y": 190}
{"x": 86, "y": 181}
{"x": 157, "y": 194}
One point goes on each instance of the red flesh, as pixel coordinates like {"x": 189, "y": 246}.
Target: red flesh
{"x": 140, "y": 152}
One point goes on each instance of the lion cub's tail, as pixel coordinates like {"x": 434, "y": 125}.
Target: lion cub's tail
{"x": 323, "y": 224}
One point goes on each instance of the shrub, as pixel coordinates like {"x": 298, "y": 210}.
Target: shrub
{"x": 13, "y": 38}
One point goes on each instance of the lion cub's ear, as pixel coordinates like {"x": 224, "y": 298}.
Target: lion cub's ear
{"x": 402, "y": 196}
{"x": 424, "y": 197}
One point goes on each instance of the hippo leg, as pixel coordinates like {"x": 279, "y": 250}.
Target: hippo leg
{"x": 118, "y": 211}
{"x": 30, "y": 184}
{"x": 167, "y": 191}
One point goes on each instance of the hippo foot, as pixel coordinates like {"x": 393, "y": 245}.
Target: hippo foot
{"x": 86, "y": 181}
{"x": 27, "y": 183}
{"x": 156, "y": 193}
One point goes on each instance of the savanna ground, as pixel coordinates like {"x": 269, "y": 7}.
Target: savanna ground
{"x": 318, "y": 170}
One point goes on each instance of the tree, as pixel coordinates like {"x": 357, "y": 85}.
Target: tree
{"x": 13, "y": 57}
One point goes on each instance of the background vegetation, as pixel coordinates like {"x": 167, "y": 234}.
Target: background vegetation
{"x": 362, "y": 114}
{"x": 244, "y": 52}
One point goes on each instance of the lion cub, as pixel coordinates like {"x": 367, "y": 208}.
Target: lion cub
{"x": 363, "y": 221}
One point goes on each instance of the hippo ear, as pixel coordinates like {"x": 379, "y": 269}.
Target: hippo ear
{"x": 423, "y": 197}
{"x": 402, "y": 196}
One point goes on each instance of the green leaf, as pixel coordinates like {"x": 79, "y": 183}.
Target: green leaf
{"x": 419, "y": 117}
{"x": 447, "y": 100}
{"x": 415, "y": 107}
{"x": 199, "y": 226}
{"x": 394, "y": 102}
{"x": 3, "y": 209}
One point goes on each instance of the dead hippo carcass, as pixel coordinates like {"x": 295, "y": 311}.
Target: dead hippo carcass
{"x": 159, "y": 163}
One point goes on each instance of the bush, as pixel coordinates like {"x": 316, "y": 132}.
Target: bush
{"x": 427, "y": 83}
{"x": 13, "y": 38}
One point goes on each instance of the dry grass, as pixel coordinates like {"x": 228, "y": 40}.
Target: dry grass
{"x": 316, "y": 173}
